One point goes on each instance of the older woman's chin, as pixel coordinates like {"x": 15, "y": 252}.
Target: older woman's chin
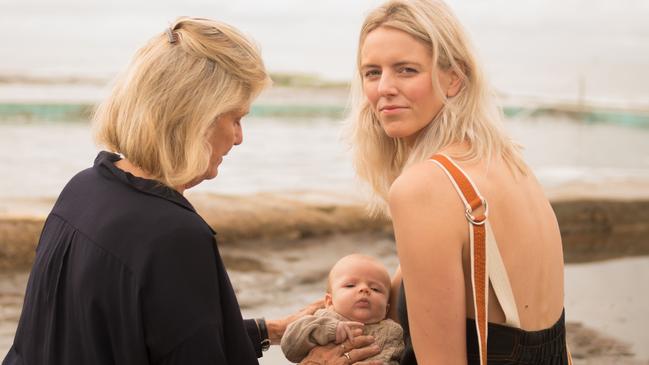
{"x": 207, "y": 176}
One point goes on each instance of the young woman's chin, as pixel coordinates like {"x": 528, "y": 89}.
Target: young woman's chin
{"x": 401, "y": 133}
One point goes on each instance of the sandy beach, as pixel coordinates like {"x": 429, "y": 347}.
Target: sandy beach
{"x": 278, "y": 248}
{"x": 606, "y": 322}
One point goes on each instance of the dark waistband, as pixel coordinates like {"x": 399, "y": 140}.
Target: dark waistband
{"x": 517, "y": 335}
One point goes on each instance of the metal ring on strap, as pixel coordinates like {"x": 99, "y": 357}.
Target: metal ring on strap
{"x": 481, "y": 219}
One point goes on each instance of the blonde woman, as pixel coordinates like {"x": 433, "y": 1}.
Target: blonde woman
{"x": 126, "y": 271}
{"x": 476, "y": 237}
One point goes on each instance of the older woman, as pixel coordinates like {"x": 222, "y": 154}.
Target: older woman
{"x": 428, "y": 140}
{"x": 126, "y": 271}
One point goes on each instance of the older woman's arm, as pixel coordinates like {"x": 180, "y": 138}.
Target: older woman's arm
{"x": 430, "y": 231}
{"x": 275, "y": 328}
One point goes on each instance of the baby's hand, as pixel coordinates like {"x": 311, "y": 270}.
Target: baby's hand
{"x": 344, "y": 330}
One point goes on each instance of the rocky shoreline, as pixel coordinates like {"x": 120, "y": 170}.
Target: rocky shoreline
{"x": 592, "y": 228}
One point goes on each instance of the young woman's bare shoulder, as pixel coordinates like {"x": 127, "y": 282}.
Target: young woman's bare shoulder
{"x": 421, "y": 183}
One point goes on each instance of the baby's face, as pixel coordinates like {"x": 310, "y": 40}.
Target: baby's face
{"x": 359, "y": 290}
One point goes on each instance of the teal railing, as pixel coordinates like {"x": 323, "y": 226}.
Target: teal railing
{"x": 83, "y": 112}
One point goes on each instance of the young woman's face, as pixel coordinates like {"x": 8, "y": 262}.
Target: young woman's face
{"x": 397, "y": 73}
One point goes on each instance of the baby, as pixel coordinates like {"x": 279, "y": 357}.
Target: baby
{"x": 357, "y": 297}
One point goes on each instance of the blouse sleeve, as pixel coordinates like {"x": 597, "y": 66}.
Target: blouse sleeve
{"x": 253, "y": 333}
{"x": 203, "y": 347}
{"x": 191, "y": 315}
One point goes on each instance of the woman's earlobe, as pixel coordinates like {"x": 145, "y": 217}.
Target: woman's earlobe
{"x": 455, "y": 84}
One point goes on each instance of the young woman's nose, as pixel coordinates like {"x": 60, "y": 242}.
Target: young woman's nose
{"x": 387, "y": 85}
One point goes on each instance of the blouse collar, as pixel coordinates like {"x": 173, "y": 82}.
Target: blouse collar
{"x": 105, "y": 162}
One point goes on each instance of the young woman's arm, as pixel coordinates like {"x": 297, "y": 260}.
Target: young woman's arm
{"x": 393, "y": 314}
{"x": 430, "y": 231}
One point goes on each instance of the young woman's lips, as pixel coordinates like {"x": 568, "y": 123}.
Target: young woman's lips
{"x": 392, "y": 109}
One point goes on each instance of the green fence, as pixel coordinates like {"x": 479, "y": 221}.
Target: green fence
{"x": 83, "y": 112}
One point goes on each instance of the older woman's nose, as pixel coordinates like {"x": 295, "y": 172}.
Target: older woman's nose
{"x": 238, "y": 135}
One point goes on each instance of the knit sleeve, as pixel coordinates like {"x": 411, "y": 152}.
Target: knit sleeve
{"x": 306, "y": 333}
{"x": 393, "y": 346}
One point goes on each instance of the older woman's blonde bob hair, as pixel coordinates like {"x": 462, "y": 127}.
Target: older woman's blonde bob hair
{"x": 472, "y": 116}
{"x": 160, "y": 110}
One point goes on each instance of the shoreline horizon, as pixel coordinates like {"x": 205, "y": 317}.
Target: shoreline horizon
{"x": 594, "y": 228}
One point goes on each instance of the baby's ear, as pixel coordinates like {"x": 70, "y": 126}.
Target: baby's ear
{"x": 328, "y": 300}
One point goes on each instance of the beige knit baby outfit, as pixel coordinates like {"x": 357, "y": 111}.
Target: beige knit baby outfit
{"x": 320, "y": 329}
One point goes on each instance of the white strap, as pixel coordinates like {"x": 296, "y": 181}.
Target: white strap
{"x": 500, "y": 280}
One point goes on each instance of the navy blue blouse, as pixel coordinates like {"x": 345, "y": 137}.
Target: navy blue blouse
{"x": 126, "y": 272}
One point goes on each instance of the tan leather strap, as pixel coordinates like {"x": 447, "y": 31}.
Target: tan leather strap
{"x": 479, "y": 278}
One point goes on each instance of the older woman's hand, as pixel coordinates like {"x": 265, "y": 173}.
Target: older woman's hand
{"x": 277, "y": 327}
{"x": 346, "y": 353}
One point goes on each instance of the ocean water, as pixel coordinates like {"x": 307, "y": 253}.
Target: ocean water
{"x": 289, "y": 154}
{"x": 560, "y": 50}
{"x": 594, "y": 50}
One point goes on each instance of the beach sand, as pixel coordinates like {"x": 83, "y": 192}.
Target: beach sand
{"x": 279, "y": 247}
{"x": 607, "y": 312}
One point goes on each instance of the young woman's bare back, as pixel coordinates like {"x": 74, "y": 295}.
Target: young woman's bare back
{"x": 433, "y": 246}
{"x": 528, "y": 237}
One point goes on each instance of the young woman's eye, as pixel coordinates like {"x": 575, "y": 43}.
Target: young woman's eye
{"x": 372, "y": 73}
{"x": 408, "y": 70}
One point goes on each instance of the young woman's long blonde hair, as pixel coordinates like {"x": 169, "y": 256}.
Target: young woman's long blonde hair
{"x": 160, "y": 110}
{"x": 472, "y": 116}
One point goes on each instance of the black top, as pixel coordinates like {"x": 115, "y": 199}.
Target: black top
{"x": 126, "y": 272}
{"x": 507, "y": 345}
